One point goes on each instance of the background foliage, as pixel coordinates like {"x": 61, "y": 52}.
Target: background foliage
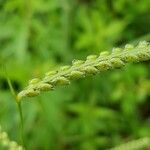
{"x": 95, "y": 113}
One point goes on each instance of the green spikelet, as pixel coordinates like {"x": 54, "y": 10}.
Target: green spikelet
{"x": 31, "y": 92}
{"x": 103, "y": 66}
{"x": 116, "y": 50}
{"x": 91, "y": 57}
{"x": 76, "y": 75}
{"x": 44, "y": 87}
{"x": 129, "y": 58}
{"x": 143, "y": 44}
{"x": 90, "y": 70}
{"x": 104, "y": 53}
{"x": 77, "y": 62}
{"x": 117, "y": 63}
{"x": 60, "y": 81}
{"x": 27, "y": 93}
{"x": 129, "y": 47}
{"x": 63, "y": 68}
{"x": 50, "y": 73}
{"x": 143, "y": 55}
{"x": 34, "y": 81}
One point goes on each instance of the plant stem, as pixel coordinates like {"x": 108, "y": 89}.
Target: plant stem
{"x": 18, "y": 104}
{"x": 22, "y": 123}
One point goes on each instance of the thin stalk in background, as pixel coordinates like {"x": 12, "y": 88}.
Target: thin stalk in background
{"x": 18, "y": 105}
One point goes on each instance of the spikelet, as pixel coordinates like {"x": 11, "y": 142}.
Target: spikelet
{"x": 90, "y": 70}
{"x": 103, "y": 54}
{"x": 143, "y": 44}
{"x": 31, "y": 92}
{"x": 143, "y": 55}
{"x": 76, "y": 75}
{"x": 60, "y": 81}
{"x": 44, "y": 87}
{"x": 50, "y": 73}
{"x": 91, "y": 58}
{"x": 129, "y": 47}
{"x": 116, "y": 63}
{"x": 34, "y": 81}
{"x": 63, "y": 68}
{"x": 129, "y": 58}
{"x": 77, "y": 62}
{"x": 103, "y": 66}
{"x": 116, "y": 50}
{"x": 28, "y": 93}
{"x": 92, "y": 65}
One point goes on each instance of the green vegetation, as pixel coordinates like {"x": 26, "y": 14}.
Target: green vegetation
{"x": 109, "y": 110}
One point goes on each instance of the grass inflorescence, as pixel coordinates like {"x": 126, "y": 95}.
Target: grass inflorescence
{"x": 92, "y": 65}
{"x": 7, "y": 143}
{"x": 139, "y": 144}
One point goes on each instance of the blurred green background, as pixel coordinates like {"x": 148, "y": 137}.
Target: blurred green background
{"x": 95, "y": 113}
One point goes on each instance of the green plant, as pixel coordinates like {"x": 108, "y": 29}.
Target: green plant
{"x": 97, "y": 112}
{"x": 92, "y": 65}
{"x": 7, "y": 143}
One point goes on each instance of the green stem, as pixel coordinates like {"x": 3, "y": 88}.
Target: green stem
{"x": 22, "y": 123}
{"x": 18, "y": 104}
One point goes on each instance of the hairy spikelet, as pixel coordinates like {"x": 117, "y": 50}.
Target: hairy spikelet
{"x": 92, "y": 65}
{"x": 7, "y": 143}
{"x": 140, "y": 144}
